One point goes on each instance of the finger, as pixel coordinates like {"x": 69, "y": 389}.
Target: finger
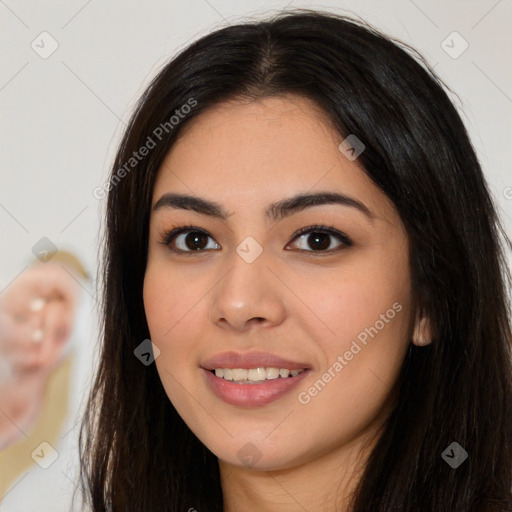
{"x": 54, "y": 281}
{"x": 21, "y": 343}
{"x": 20, "y": 330}
{"x": 57, "y": 327}
{"x": 49, "y": 281}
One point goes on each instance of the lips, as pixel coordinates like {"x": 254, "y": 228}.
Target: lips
{"x": 250, "y": 360}
{"x": 253, "y": 394}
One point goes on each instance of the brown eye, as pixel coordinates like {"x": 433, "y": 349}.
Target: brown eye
{"x": 319, "y": 239}
{"x": 195, "y": 240}
{"x": 187, "y": 239}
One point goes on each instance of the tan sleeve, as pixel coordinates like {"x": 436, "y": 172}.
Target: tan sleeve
{"x": 71, "y": 260}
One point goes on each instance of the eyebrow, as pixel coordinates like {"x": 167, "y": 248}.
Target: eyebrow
{"x": 276, "y": 211}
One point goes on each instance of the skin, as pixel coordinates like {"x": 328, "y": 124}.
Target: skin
{"x": 245, "y": 155}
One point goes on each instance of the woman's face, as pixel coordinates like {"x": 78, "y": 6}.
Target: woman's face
{"x": 241, "y": 291}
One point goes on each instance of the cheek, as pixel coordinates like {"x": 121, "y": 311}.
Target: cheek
{"x": 166, "y": 314}
{"x": 355, "y": 302}
{"x": 171, "y": 302}
{"x": 367, "y": 311}
{"x": 173, "y": 305}
{"x": 170, "y": 316}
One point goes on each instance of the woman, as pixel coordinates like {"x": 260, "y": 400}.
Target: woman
{"x": 298, "y": 222}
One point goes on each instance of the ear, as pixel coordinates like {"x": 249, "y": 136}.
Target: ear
{"x": 422, "y": 334}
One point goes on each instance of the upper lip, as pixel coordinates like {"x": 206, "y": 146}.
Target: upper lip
{"x": 249, "y": 360}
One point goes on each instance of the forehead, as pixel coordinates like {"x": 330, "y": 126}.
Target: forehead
{"x": 254, "y": 152}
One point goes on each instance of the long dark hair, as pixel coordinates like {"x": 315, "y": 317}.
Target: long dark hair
{"x": 137, "y": 454}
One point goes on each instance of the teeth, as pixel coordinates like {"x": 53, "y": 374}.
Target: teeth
{"x": 271, "y": 373}
{"x": 254, "y": 375}
{"x": 239, "y": 374}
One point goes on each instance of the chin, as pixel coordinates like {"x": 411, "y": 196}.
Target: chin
{"x": 258, "y": 454}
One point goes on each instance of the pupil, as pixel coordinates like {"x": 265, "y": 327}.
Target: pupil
{"x": 195, "y": 240}
{"x": 318, "y": 239}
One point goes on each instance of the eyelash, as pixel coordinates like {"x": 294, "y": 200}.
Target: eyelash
{"x": 167, "y": 237}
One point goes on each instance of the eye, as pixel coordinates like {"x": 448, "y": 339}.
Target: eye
{"x": 319, "y": 239}
{"x": 186, "y": 239}
{"x": 190, "y": 239}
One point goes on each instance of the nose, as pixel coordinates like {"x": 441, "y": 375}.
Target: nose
{"x": 248, "y": 296}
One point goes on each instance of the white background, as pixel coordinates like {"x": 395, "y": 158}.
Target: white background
{"x": 62, "y": 117}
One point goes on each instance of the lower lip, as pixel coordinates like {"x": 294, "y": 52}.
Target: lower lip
{"x": 252, "y": 395}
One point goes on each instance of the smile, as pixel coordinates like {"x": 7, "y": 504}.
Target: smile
{"x": 254, "y": 375}
{"x": 252, "y": 388}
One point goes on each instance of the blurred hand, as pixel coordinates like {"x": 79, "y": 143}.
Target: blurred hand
{"x": 37, "y": 313}
{"x": 36, "y": 317}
